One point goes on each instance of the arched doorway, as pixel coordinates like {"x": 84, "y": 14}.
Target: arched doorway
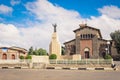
{"x": 87, "y": 53}
{"x": 13, "y": 56}
{"x": 4, "y": 56}
{"x": 103, "y": 54}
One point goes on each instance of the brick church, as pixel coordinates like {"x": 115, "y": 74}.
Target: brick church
{"x": 89, "y": 43}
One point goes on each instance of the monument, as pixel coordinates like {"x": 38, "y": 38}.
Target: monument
{"x": 55, "y": 47}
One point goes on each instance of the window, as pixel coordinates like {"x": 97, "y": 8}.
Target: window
{"x": 88, "y": 36}
{"x": 91, "y": 35}
{"x": 13, "y": 56}
{"x": 81, "y": 36}
{"x": 4, "y": 56}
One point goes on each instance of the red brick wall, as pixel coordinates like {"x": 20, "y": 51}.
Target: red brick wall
{"x": 85, "y": 44}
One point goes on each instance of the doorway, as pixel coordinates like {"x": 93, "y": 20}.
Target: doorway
{"x": 103, "y": 54}
{"x": 87, "y": 53}
{"x": 4, "y": 56}
{"x": 13, "y": 56}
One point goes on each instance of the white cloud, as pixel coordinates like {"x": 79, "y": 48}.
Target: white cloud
{"x": 67, "y": 20}
{"x": 111, "y": 11}
{"x": 5, "y": 9}
{"x": 47, "y": 11}
{"x": 9, "y": 35}
{"x": 106, "y": 24}
{"x": 15, "y": 2}
{"x": 39, "y": 34}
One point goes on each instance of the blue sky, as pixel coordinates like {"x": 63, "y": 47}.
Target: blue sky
{"x": 26, "y": 23}
{"x": 86, "y": 8}
{"x": 19, "y": 12}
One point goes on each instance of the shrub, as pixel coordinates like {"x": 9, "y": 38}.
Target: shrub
{"x": 108, "y": 56}
{"x": 53, "y": 56}
{"x": 28, "y": 57}
{"x": 116, "y": 57}
{"x": 21, "y": 57}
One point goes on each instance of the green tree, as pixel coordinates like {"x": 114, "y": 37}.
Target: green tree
{"x": 42, "y": 51}
{"x": 108, "y": 56}
{"x": 39, "y": 51}
{"x": 30, "y": 52}
{"x": 116, "y": 38}
{"x": 35, "y": 52}
{"x": 63, "y": 50}
{"x": 28, "y": 57}
{"x": 53, "y": 56}
{"x": 21, "y": 57}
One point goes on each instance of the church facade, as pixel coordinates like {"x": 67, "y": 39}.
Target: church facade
{"x": 88, "y": 43}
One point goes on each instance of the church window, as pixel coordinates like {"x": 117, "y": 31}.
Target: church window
{"x": 85, "y": 36}
{"x": 88, "y": 36}
{"x": 91, "y": 35}
{"x": 81, "y": 36}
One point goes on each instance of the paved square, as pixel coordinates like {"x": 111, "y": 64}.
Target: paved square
{"x": 38, "y": 74}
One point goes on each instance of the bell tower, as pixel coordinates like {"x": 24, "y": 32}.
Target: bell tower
{"x": 55, "y": 47}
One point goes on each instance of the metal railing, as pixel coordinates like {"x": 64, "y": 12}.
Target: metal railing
{"x": 83, "y": 61}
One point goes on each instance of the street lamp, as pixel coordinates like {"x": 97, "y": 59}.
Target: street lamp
{"x": 106, "y": 49}
{"x": 108, "y": 45}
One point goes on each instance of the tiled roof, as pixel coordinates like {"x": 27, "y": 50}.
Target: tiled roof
{"x": 89, "y": 28}
{"x": 15, "y": 48}
{"x": 69, "y": 41}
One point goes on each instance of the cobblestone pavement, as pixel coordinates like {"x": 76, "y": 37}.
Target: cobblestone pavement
{"x": 43, "y": 74}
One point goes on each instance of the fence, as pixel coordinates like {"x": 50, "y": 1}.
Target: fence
{"x": 83, "y": 61}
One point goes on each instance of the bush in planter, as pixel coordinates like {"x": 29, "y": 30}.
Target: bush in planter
{"x": 108, "y": 56}
{"x": 28, "y": 57}
{"x": 21, "y": 57}
{"x": 53, "y": 56}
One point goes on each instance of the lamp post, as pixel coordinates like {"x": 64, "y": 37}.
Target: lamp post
{"x": 106, "y": 49}
{"x": 108, "y": 45}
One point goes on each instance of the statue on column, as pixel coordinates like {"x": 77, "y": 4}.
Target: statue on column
{"x": 55, "y": 46}
{"x": 54, "y": 25}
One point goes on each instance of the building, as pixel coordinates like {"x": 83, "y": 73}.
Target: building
{"x": 55, "y": 47}
{"x": 88, "y": 43}
{"x": 7, "y": 53}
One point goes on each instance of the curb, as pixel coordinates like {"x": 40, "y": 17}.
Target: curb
{"x": 82, "y": 68}
{"x": 90, "y": 68}
{"x": 5, "y": 67}
{"x": 63, "y": 68}
{"x": 58, "y": 67}
{"x": 73, "y": 68}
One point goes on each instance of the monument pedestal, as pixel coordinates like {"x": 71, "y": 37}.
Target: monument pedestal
{"x": 55, "y": 47}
